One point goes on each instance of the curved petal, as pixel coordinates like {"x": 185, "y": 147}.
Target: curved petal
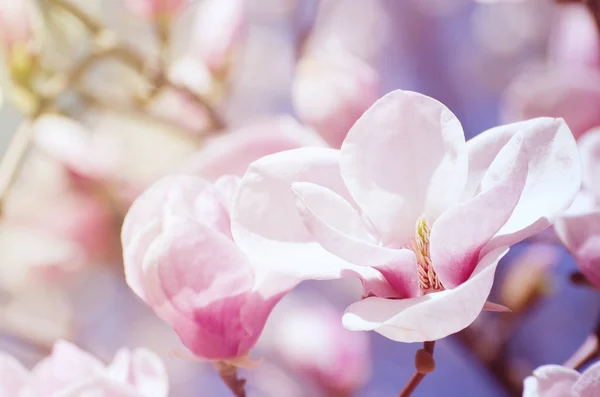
{"x": 581, "y": 235}
{"x": 340, "y": 229}
{"x": 553, "y": 179}
{"x": 149, "y": 375}
{"x": 404, "y": 157}
{"x": 13, "y": 375}
{"x": 588, "y": 385}
{"x": 429, "y": 317}
{"x": 554, "y": 380}
{"x": 265, "y": 221}
{"x": 589, "y": 149}
{"x": 461, "y": 232}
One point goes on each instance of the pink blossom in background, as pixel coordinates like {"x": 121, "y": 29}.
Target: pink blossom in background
{"x": 573, "y": 94}
{"x": 218, "y": 28}
{"x": 331, "y": 90}
{"x": 579, "y": 227}
{"x": 231, "y": 153}
{"x": 181, "y": 260}
{"x": 17, "y": 23}
{"x": 154, "y": 8}
{"x": 558, "y": 381}
{"x": 310, "y": 338}
{"x": 400, "y": 206}
{"x": 574, "y": 41}
{"x": 71, "y": 372}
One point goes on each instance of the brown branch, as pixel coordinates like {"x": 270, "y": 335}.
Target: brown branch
{"x": 229, "y": 375}
{"x": 424, "y": 364}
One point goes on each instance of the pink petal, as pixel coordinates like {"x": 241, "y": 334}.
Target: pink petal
{"x": 265, "y": 220}
{"x": 232, "y": 153}
{"x": 149, "y": 374}
{"x": 573, "y": 94}
{"x": 589, "y": 149}
{"x": 588, "y": 385}
{"x": 13, "y": 376}
{"x": 553, "y": 179}
{"x": 404, "y": 157}
{"x": 459, "y": 234}
{"x": 98, "y": 386}
{"x": 551, "y": 381}
{"x": 340, "y": 229}
{"x": 429, "y": 317}
{"x": 331, "y": 90}
{"x": 581, "y": 235}
{"x": 66, "y": 365}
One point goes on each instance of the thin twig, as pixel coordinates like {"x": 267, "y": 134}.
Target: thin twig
{"x": 588, "y": 351}
{"x": 229, "y": 375}
{"x": 424, "y": 364}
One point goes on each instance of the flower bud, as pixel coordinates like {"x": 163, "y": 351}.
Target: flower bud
{"x": 180, "y": 258}
{"x": 331, "y": 91}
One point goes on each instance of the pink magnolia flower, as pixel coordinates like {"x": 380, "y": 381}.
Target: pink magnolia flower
{"x": 331, "y": 90}
{"x": 219, "y": 26}
{"x": 71, "y": 372}
{"x": 420, "y": 215}
{"x": 574, "y": 41}
{"x": 17, "y": 23}
{"x": 181, "y": 260}
{"x": 154, "y": 8}
{"x": 232, "y": 153}
{"x": 311, "y": 340}
{"x": 579, "y": 227}
{"x": 558, "y": 381}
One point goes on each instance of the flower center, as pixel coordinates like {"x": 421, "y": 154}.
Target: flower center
{"x": 428, "y": 280}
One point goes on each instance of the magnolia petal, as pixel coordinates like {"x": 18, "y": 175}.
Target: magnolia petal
{"x": 588, "y": 385}
{"x": 340, "y": 229}
{"x": 550, "y": 380}
{"x": 429, "y": 317}
{"x": 553, "y": 179}
{"x": 14, "y": 376}
{"x": 266, "y": 224}
{"x": 589, "y": 149}
{"x": 404, "y": 157}
{"x": 495, "y": 307}
{"x": 459, "y": 235}
{"x": 580, "y": 233}
{"x": 149, "y": 375}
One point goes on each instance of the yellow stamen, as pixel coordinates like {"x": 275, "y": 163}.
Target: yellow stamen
{"x": 428, "y": 279}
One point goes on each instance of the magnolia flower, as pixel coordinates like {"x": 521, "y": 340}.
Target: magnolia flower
{"x": 311, "y": 340}
{"x": 154, "y": 8}
{"x": 219, "y": 26}
{"x": 332, "y": 90}
{"x": 558, "y": 381}
{"x": 180, "y": 259}
{"x": 579, "y": 227}
{"x": 421, "y": 216}
{"x": 230, "y": 154}
{"x": 71, "y": 372}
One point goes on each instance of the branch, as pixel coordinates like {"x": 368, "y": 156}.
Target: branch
{"x": 424, "y": 364}
{"x": 229, "y": 375}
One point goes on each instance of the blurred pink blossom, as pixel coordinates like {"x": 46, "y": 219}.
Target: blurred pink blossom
{"x": 311, "y": 339}
{"x": 231, "y": 153}
{"x": 331, "y": 90}
{"x": 579, "y": 227}
{"x": 574, "y": 41}
{"x": 71, "y": 372}
{"x": 400, "y": 206}
{"x": 17, "y": 23}
{"x": 558, "y": 381}
{"x": 180, "y": 259}
{"x": 219, "y": 26}
{"x": 154, "y": 8}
